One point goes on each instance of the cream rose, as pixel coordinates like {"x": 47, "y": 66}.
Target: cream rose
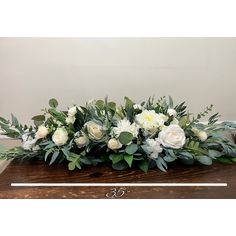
{"x": 60, "y": 136}
{"x": 42, "y": 132}
{"x": 70, "y": 120}
{"x": 81, "y": 141}
{"x": 172, "y": 112}
{"x": 172, "y": 136}
{"x": 202, "y": 135}
{"x": 95, "y": 130}
{"x": 72, "y": 111}
{"x": 114, "y": 144}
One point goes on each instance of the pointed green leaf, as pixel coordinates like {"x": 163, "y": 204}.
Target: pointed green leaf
{"x": 129, "y": 159}
{"x": 143, "y": 165}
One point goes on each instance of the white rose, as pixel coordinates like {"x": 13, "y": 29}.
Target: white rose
{"x": 70, "y": 120}
{"x": 114, "y": 144}
{"x": 60, "y": 136}
{"x": 95, "y": 130}
{"x": 81, "y": 141}
{"x": 172, "y": 136}
{"x": 42, "y": 132}
{"x": 202, "y": 135}
{"x": 152, "y": 148}
{"x": 72, "y": 111}
{"x": 172, "y": 112}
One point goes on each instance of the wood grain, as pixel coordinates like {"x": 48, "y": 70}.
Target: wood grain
{"x": 38, "y": 172}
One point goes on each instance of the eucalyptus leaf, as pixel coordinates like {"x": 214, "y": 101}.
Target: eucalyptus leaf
{"x": 143, "y": 165}
{"x": 131, "y": 149}
{"x": 205, "y": 160}
{"x": 54, "y": 157}
{"x": 53, "y": 103}
{"x": 125, "y": 137}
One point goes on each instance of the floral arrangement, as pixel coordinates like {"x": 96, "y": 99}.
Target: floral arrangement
{"x": 145, "y": 135}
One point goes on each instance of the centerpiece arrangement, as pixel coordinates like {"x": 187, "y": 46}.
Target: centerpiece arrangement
{"x": 145, "y": 135}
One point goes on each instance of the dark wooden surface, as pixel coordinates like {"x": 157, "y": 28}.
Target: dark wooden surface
{"x": 38, "y": 172}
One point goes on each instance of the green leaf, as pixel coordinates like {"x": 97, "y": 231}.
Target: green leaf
{"x": 125, "y": 137}
{"x": 38, "y": 118}
{"x": 100, "y": 104}
{"x": 205, "y": 160}
{"x": 53, "y": 103}
{"x": 171, "y": 104}
{"x": 116, "y": 158}
{"x": 71, "y": 165}
{"x": 143, "y": 165}
{"x": 214, "y": 153}
{"x": 183, "y": 121}
{"x": 225, "y": 160}
{"x": 54, "y": 157}
{"x": 47, "y": 154}
{"x": 14, "y": 121}
{"x": 131, "y": 149}
{"x": 169, "y": 158}
{"x": 129, "y": 159}
{"x": 120, "y": 165}
{"x": 161, "y": 164}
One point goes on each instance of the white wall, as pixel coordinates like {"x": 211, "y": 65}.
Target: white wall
{"x": 199, "y": 70}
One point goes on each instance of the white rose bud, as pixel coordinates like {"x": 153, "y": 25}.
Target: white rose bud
{"x": 202, "y": 135}
{"x": 95, "y": 130}
{"x": 172, "y": 112}
{"x": 60, "y": 136}
{"x": 72, "y": 111}
{"x": 114, "y": 144}
{"x": 70, "y": 120}
{"x": 42, "y": 132}
{"x": 172, "y": 136}
{"x": 81, "y": 141}
{"x": 137, "y": 107}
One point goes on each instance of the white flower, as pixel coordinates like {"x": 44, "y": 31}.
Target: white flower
{"x": 42, "y": 132}
{"x": 172, "y": 112}
{"x": 152, "y": 148}
{"x": 72, "y": 111}
{"x": 81, "y": 141}
{"x": 28, "y": 141}
{"x": 202, "y": 135}
{"x": 95, "y": 130}
{"x": 125, "y": 126}
{"x": 137, "y": 106}
{"x": 150, "y": 121}
{"x": 70, "y": 120}
{"x": 60, "y": 136}
{"x": 114, "y": 144}
{"x": 172, "y": 136}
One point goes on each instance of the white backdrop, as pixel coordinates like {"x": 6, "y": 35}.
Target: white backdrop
{"x": 199, "y": 70}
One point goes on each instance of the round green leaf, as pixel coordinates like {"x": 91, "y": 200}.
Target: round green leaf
{"x": 131, "y": 149}
{"x": 125, "y": 137}
{"x": 53, "y": 103}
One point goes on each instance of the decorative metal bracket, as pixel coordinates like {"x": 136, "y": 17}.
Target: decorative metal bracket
{"x": 116, "y": 193}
